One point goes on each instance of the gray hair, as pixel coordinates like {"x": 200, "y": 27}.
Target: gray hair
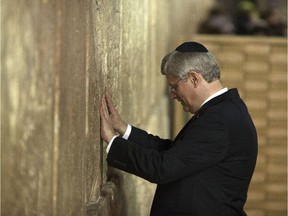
{"x": 179, "y": 64}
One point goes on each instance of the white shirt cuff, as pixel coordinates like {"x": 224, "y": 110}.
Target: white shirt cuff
{"x": 110, "y": 144}
{"x": 125, "y": 136}
{"x": 127, "y": 132}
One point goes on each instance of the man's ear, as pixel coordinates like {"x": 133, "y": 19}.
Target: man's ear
{"x": 194, "y": 78}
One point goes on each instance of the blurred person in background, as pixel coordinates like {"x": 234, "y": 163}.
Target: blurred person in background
{"x": 275, "y": 24}
{"x": 248, "y": 19}
{"x": 217, "y": 22}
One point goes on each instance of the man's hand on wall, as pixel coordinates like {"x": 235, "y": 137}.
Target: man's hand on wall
{"x": 107, "y": 130}
{"x": 118, "y": 124}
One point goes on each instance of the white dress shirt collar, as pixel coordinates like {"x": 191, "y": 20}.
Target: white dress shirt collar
{"x": 222, "y": 91}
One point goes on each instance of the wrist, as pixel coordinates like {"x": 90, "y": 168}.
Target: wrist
{"x": 109, "y": 137}
{"x": 123, "y": 129}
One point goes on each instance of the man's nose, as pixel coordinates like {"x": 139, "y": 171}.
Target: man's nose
{"x": 173, "y": 95}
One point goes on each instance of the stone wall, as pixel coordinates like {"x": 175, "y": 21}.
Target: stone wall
{"x": 258, "y": 68}
{"x": 57, "y": 59}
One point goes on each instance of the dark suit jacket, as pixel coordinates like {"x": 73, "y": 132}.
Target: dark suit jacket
{"x": 206, "y": 170}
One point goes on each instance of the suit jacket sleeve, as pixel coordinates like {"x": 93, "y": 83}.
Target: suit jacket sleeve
{"x": 202, "y": 145}
{"x": 146, "y": 140}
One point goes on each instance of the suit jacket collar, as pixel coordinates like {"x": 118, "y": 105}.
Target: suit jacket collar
{"x": 230, "y": 94}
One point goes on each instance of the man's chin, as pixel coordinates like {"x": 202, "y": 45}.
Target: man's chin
{"x": 186, "y": 108}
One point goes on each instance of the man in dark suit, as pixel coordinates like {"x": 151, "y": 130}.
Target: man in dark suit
{"x": 207, "y": 168}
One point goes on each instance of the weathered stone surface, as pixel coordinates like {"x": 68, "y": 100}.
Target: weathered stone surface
{"x": 57, "y": 59}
